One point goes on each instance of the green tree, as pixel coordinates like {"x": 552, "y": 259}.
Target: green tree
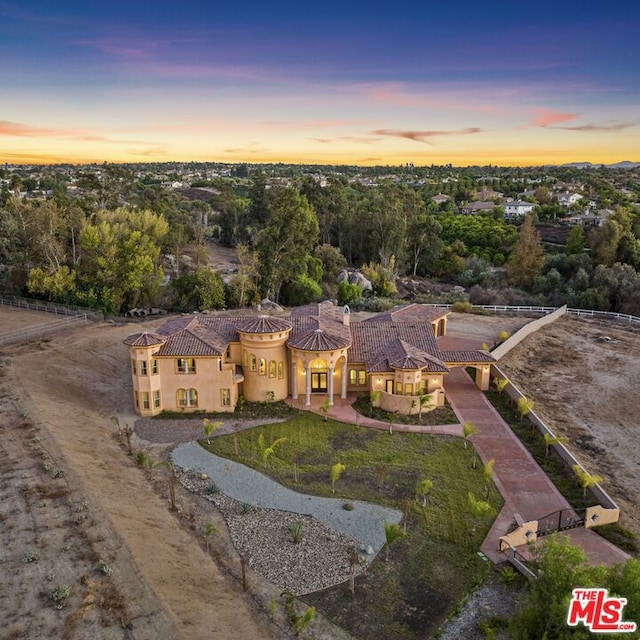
{"x": 525, "y": 405}
{"x": 527, "y": 257}
{"x": 266, "y": 451}
{"x": 335, "y": 472}
{"x": 287, "y": 240}
{"x": 468, "y": 429}
{"x": 550, "y": 440}
{"x": 348, "y": 292}
{"x": 209, "y": 427}
{"x": 120, "y": 261}
{"x": 575, "y": 241}
{"x": 560, "y": 567}
{"x": 393, "y": 533}
{"x": 423, "y": 487}
{"x": 586, "y": 479}
{"x": 479, "y": 510}
{"x": 203, "y": 289}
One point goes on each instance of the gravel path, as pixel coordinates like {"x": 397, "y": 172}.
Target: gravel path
{"x": 364, "y": 524}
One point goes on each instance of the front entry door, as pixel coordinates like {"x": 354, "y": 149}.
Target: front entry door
{"x": 318, "y": 382}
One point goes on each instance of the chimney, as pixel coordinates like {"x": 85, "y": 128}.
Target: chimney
{"x": 346, "y": 315}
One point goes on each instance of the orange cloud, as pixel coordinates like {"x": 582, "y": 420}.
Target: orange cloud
{"x": 548, "y": 117}
{"x": 17, "y": 129}
{"x": 423, "y": 136}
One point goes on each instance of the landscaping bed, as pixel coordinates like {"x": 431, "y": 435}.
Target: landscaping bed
{"x": 410, "y": 591}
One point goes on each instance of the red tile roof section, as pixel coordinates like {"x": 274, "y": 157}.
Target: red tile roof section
{"x": 144, "y": 339}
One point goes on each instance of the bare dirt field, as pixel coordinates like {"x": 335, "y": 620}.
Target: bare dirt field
{"x": 72, "y": 499}
{"x": 585, "y": 387}
{"x": 71, "y": 496}
{"x": 13, "y": 319}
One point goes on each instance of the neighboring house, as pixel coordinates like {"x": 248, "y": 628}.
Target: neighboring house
{"x": 205, "y": 363}
{"x": 517, "y": 209}
{"x": 476, "y": 207}
{"x": 567, "y": 198}
{"x": 486, "y": 195}
{"x": 591, "y": 218}
{"x": 440, "y": 198}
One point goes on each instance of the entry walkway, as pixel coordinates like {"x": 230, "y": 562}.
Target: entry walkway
{"x": 528, "y": 492}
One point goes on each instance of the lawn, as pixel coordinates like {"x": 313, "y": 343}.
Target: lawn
{"x": 429, "y": 571}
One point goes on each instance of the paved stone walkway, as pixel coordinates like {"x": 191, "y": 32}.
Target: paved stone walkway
{"x": 528, "y": 492}
{"x": 365, "y": 523}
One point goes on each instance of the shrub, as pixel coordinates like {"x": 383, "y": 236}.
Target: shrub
{"x": 61, "y": 593}
{"x": 296, "y": 532}
{"x": 105, "y": 569}
{"x": 30, "y": 555}
{"x": 347, "y": 506}
{"x": 462, "y": 307}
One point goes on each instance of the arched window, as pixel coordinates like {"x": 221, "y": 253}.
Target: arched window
{"x": 245, "y": 357}
{"x": 280, "y": 370}
{"x": 272, "y": 368}
{"x": 253, "y": 362}
{"x": 187, "y": 398}
{"x": 262, "y": 368}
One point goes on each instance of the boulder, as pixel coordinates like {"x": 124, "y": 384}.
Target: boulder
{"x": 342, "y": 276}
{"x": 357, "y": 278}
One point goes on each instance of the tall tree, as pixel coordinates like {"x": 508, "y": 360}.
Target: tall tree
{"x": 286, "y": 242}
{"x": 527, "y": 257}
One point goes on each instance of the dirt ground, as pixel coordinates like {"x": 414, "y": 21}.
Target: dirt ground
{"x": 71, "y": 496}
{"x": 69, "y": 493}
{"x": 585, "y": 387}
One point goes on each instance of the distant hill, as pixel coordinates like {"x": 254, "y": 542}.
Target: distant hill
{"x": 625, "y": 164}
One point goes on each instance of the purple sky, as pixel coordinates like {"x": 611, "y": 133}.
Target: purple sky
{"x": 330, "y": 82}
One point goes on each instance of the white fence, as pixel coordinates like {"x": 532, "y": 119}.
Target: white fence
{"x": 51, "y": 307}
{"x": 38, "y": 331}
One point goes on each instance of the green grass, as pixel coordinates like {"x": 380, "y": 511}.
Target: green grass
{"x": 431, "y": 570}
{"x": 442, "y": 415}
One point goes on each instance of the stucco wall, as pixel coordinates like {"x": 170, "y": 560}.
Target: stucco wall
{"x": 527, "y": 330}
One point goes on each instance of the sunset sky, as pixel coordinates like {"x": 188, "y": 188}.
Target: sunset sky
{"x": 323, "y": 82}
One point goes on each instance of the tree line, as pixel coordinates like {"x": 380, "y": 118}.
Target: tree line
{"x": 108, "y": 248}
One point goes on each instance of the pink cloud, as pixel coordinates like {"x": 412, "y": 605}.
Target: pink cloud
{"x": 17, "y": 129}
{"x": 548, "y": 117}
{"x": 423, "y": 136}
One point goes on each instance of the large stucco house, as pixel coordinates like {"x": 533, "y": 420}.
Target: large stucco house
{"x": 206, "y": 362}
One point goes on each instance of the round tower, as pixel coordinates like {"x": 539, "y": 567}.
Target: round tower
{"x": 264, "y": 358}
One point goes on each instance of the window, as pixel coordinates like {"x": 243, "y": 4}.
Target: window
{"x": 280, "y": 370}
{"x": 187, "y": 398}
{"x": 262, "y": 370}
{"x": 408, "y": 389}
{"x": 353, "y": 377}
{"x": 133, "y": 366}
{"x": 144, "y": 395}
{"x": 136, "y": 399}
{"x": 253, "y": 362}
{"x": 225, "y": 397}
{"x": 143, "y": 367}
{"x": 357, "y": 377}
{"x": 154, "y": 366}
{"x": 156, "y": 399}
{"x": 389, "y": 386}
{"x": 228, "y": 354}
{"x": 362, "y": 377}
{"x": 272, "y": 368}
{"x": 398, "y": 390}
{"x": 245, "y": 358}
{"x": 186, "y": 365}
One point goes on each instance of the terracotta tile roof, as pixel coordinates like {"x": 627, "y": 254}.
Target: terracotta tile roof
{"x": 467, "y": 356}
{"x": 318, "y": 340}
{"x": 410, "y": 313}
{"x": 263, "y": 324}
{"x": 194, "y": 340}
{"x": 398, "y": 354}
{"x": 144, "y": 339}
{"x": 371, "y": 339}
